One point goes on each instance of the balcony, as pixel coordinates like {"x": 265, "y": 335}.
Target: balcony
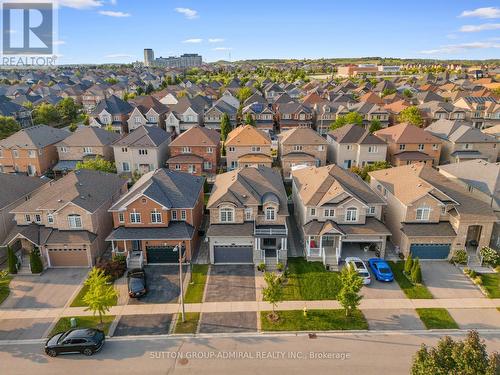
{"x": 270, "y": 230}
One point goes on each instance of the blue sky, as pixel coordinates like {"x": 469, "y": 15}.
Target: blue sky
{"x": 98, "y": 31}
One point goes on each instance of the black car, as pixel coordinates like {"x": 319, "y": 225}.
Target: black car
{"x": 136, "y": 283}
{"x": 83, "y": 340}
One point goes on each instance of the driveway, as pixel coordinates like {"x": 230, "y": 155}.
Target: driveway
{"x": 386, "y": 319}
{"x": 382, "y": 290}
{"x": 53, "y": 288}
{"x": 228, "y": 322}
{"x": 476, "y": 318}
{"x": 162, "y": 283}
{"x": 444, "y": 280}
{"x": 149, "y": 324}
{"x": 231, "y": 283}
{"x": 23, "y": 329}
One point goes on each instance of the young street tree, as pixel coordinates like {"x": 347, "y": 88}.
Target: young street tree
{"x": 411, "y": 115}
{"x": 100, "y": 296}
{"x": 97, "y": 164}
{"x": 349, "y": 296}
{"x": 225, "y": 126}
{"x": 350, "y": 118}
{"x": 273, "y": 292}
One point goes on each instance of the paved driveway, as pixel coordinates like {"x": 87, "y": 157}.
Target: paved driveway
{"x": 386, "y": 319}
{"x": 53, "y": 288}
{"x": 148, "y": 324}
{"x": 444, "y": 280}
{"x": 228, "y": 322}
{"x": 382, "y": 290}
{"x": 23, "y": 329}
{"x": 162, "y": 283}
{"x": 476, "y": 318}
{"x": 231, "y": 283}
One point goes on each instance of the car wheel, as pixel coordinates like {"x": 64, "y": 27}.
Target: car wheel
{"x": 52, "y": 353}
{"x": 88, "y": 352}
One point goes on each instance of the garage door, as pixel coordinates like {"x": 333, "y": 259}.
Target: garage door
{"x": 161, "y": 254}
{"x": 430, "y": 251}
{"x": 233, "y": 254}
{"x": 68, "y": 257}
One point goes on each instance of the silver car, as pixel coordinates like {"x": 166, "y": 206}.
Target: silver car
{"x": 360, "y": 267}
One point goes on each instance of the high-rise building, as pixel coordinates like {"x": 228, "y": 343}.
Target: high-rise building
{"x": 186, "y": 60}
{"x": 149, "y": 57}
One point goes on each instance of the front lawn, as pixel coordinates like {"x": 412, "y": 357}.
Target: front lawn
{"x": 64, "y": 324}
{"x": 308, "y": 281}
{"x": 78, "y": 301}
{"x": 412, "y": 291}
{"x": 196, "y": 287}
{"x": 437, "y": 318}
{"x": 491, "y": 283}
{"x": 316, "y": 320}
{"x": 190, "y": 325}
{"x": 4, "y": 288}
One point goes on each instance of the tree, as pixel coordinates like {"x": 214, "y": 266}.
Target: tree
{"x": 72, "y": 128}
{"x": 139, "y": 91}
{"x": 68, "y": 110}
{"x": 8, "y": 126}
{"x": 35, "y": 262}
{"x": 149, "y": 89}
{"x": 411, "y": 115}
{"x": 273, "y": 292}
{"x": 249, "y": 120}
{"x": 386, "y": 92}
{"x": 46, "y": 114}
{"x": 100, "y": 296}
{"x": 349, "y": 118}
{"x": 12, "y": 260}
{"x": 243, "y": 94}
{"x": 363, "y": 172}
{"x": 408, "y": 264}
{"x": 467, "y": 357}
{"x": 225, "y": 127}
{"x": 349, "y": 296}
{"x": 375, "y": 125}
{"x": 97, "y": 164}
{"x": 416, "y": 272}
{"x": 407, "y": 93}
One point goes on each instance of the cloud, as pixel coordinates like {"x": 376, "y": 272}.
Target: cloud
{"x": 111, "y": 13}
{"x": 58, "y": 42}
{"x": 455, "y": 48}
{"x": 222, "y": 49}
{"x": 476, "y": 28}
{"x": 118, "y": 56}
{"x": 190, "y": 14}
{"x": 193, "y": 40}
{"x": 113, "y": 2}
{"x": 488, "y": 12}
{"x": 80, "y": 4}
{"x": 215, "y": 40}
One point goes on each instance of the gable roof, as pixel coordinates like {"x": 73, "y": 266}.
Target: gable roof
{"x": 38, "y": 136}
{"x": 16, "y": 186}
{"x": 90, "y": 136}
{"x": 113, "y": 105}
{"x": 144, "y": 136}
{"x": 458, "y": 131}
{"x": 247, "y": 135}
{"x": 301, "y": 136}
{"x": 353, "y": 133}
{"x": 197, "y": 136}
{"x": 406, "y": 133}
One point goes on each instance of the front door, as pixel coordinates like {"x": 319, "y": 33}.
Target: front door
{"x": 136, "y": 245}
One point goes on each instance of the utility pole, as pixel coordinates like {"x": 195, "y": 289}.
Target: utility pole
{"x": 183, "y": 314}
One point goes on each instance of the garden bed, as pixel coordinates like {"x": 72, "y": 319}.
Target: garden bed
{"x": 410, "y": 289}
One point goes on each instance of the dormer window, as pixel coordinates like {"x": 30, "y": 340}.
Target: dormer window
{"x": 226, "y": 214}
{"x": 351, "y": 214}
{"x": 423, "y": 213}
{"x": 75, "y": 221}
{"x": 270, "y": 214}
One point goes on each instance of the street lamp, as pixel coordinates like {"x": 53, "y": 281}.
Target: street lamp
{"x": 179, "y": 248}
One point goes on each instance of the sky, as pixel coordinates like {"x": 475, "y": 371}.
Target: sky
{"x": 117, "y": 31}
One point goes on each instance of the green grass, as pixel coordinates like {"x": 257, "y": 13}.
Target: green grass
{"x": 4, "y": 288}
{"x": 309, "y": 281}
{"x": 316, "y": 320}
{"x": 194, "y": 293}
{"x": 190, "y": 325}
{"x": 437, "y": 318}
{"x": 64, "y": 324}
{"x": 78, "y": 301}
{"x": 491, "y": 283}
{"x": 413, "y": 291}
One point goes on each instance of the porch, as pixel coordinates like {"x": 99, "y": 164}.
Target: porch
{"x": 271, "y": 244}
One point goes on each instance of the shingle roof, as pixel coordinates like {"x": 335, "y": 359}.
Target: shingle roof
{"x": 14, "y": 187}
{"x": 301, "y": 136}
{"x": 174, "y": 231}
{"x": 144, "y": 136}
{"x": 113, "y": 105}
{"x": 352, "y": 133}
{"x": 38, "y": 136}
{"x": 441, "y": 229}
{"x": 247, "y": 135}
{"x": 197, "y": 136}
{"x": 406, "y": 133}
{"x": 90, "y": 136}
{"x": 458, "y": 132}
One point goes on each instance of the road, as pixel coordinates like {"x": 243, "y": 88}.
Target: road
{"x": 343, "y": 353}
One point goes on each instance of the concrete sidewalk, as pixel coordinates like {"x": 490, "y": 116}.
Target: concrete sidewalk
{"x": 207, "y": 307}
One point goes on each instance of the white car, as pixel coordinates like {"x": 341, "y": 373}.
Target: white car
{"x": 360, "y": 268}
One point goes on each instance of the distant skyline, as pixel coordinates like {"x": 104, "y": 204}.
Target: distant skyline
{"x": 117, "y": 31}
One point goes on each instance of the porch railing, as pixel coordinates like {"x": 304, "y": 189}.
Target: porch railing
{"x": 270, "y": 232}
{"x": 128, "y": 259}
{"x": 282, "y": 254}
{"x": 314, "y": 252}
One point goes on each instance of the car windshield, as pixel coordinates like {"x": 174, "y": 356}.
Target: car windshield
{"x": 384, "y": 269}
{"x": 135, "y": 284}
{"x": 359, "y": 265}
{"x": 364, "y": 274}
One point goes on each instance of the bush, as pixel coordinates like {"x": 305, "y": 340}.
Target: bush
{"x": 416, "y": 272}
{"x": 261, "y": 267}
{"x": 280, "y": 266}
{"x": 114, "y": 268}
{"x": 408, "y": 265}
{"x": 490, "y": 256}
{"x": 35, "y": 262}
{"x": 477, "y": 280}
{"x": 12, "y": 260}
{"x": 460, "y": 257}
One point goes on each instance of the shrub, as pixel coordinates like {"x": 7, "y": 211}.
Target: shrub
{"x": 114, "y": 268}
{"x": 490, "y": 256}
{"x": 460, "y": 257}
{"x": 261, "y": 267}
{"x": 477, "y": 280}
{"x": 12, "y": 260}
{"x": 408, "y": 264}
{"x": 280, "y": 266}
{"x": 35, "y": 262}
{"x": 416, "y": 272}
{"x": 472, "y": 274}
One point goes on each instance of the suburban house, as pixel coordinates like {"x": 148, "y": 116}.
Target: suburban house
{"x": 163, "y": 209}
{"x": 188, "y": 112}
{"x": 429, "y": 215}
{"x": 301, "y": 147}
{"x": 213, "y": 116}
{"x": 68, "y": 221}
{"x": 85, "y": 143}
{"x": 247, "y": 146}
{"x": 461, "y": 141}
{"x": 196, "y": 151}
{"x": 142, "y": 151}
{"x": 481, "y": 111}
{"x": 262, "y": 115}
{"x": 111, "y": 112}
{"x": 338, "y": 213}
{"x": 31, "y": 150}
{"x": 21, "y": 114}
{"x": 326, "y": 113}
{"x": 353, "y": 145}
{"x": 293, "y": 114}
{"x": 248, "y": 217}
{"x": 407, "y": 144}
{"x": 371, "y": 112}
{"x": 147, "y": 110}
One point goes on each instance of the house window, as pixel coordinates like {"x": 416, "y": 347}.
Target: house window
{"x": 31, "y": 154}
{"x": 420, "y": 147}
{"x": 230, "y": 149}
{"x": 135, "y": 217}
{"x": 87, "y": 150}
{"x": 210, "y": 150}
{"x": 313, "y": 212}
{"x": 143, "y": 152}
{"x": 207, "y": 165}
{"x": 372, "y": 149}
{"x": 443, "y": 210}
{"x": 27, "y": 218}
{"x": 402, "y": 147}
{"x": 270, "y": 213}
{"x": 351, "y": 214}
{"x": 191, "y": 168}
{"x": 75, "y": 221}
{"x": 126, "y": 166}
{"x": 434, "y": 147}
{"x": 467, "y": 146}
{"x": 321, "y": 147}
{"x": 370, "y": 210}
{"x": 297, "y": 148}
{"x": 348, "y": 147}
{"x": 174, "y": 215}
{"x": 177, "y": 167}
{"x": 226, "y": 215}
{"x": 15, "y": 153}
{"x": 38, "y": 219}
{"x": 186, "y": 150}
{"x": 329, "y": 212}
{"x": 423, "y": 213}
{"x": 137, "y": 120}
{"x": 1, "y": 153}
{"x": 255, "y": 148}
{"x": 124, "y": 149}
{"x": 121, "y": 217}
{"x": 50, "y": 218}
{"x": 248, "y": 213}
{"x": 183, "y": 214}
{"x": 63, "y": 149}
{"x": 155, "y": 217}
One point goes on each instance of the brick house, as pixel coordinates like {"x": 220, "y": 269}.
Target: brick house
{"x": 247, "y": 146}
{"x": 112, "y": 111}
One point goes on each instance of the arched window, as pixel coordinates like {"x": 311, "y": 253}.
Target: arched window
{"x": 226, "y": 214}
{"x": 270, "y": 213}
{"x": 351, "y": 214}
{"x": 75, "y": 221}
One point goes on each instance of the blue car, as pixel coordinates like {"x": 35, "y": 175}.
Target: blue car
{"x": 381, "y": 269}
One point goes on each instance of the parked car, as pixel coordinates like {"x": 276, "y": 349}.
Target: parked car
{"x": 381, "y": 269}
{"x": 84, "y": 340}
{"x": 136, "y": 283}
{"x": 360, "y": 267}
